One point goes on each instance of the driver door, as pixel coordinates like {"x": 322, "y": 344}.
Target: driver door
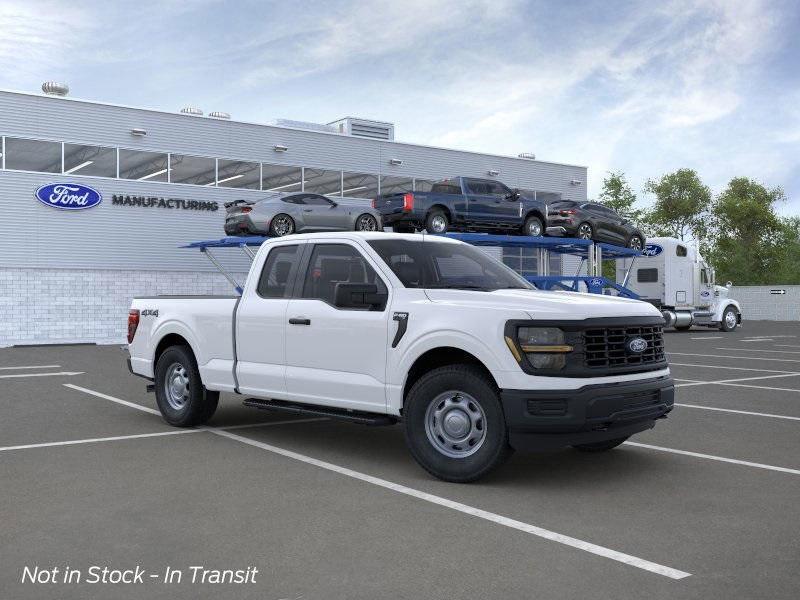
{"x": 323, "y": 214}
{"x": 336, "y": 356}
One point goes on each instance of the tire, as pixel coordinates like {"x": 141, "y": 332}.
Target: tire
{"x": 585, "y": 231}
{"x": 468, "y": 395}
{"x": 600, "y": 446}
{"x": 437, "y": 221}
{"x": 183, "y": 403}
{"x": 281, "y": 225}
{"x": 366, "y": 222}
{"x": 533, "y": 227}
{"x": 729, "y": 320}
{"x": 635, "y": 242}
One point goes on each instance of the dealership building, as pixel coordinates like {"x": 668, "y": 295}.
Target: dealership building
{"x": 162, "y": 179}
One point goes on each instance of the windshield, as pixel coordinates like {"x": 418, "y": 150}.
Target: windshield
{"x": 431, "y": 264}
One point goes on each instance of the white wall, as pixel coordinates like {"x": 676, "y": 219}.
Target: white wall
{"x": 759, "y": 304}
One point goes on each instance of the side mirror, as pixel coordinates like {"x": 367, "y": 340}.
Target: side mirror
{"x": 334, "y": 204}
{"x": 514, "y": 195}
{"x": 729, "y": 284}
{"x": 359, "y": 295}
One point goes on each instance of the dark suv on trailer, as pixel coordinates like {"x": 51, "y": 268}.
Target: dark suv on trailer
{"x": 593, "y": 221}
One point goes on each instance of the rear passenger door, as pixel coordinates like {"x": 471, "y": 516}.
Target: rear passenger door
{"x": 480, "y": 201}
{"x": 336, "y": 356}
{"x": 261, "y": 323}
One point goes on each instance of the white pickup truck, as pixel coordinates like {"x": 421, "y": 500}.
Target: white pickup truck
{"x": 380, "y": 328}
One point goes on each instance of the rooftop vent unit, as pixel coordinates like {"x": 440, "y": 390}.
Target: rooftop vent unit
{"x": 192, "y": 110}
{"x": 527, "y": 155}
{"x": 303, "y": 125}
{"x": 375, "y": 130}
{"x": 53, "y": 88}
{"x": 219, "y": 115}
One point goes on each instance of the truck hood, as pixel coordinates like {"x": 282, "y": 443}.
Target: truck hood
{"x": 540, "y": 304}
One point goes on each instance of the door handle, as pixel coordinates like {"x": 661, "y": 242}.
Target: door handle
{"x": 299, "y": 321}
{"x": 307, "y": 210}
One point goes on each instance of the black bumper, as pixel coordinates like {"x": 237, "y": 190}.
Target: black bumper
{"x": 545, "y": 420}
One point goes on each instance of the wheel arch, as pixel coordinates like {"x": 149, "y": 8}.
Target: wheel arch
{"x": 445, "y": 209}
{"x": 168, "y": 340}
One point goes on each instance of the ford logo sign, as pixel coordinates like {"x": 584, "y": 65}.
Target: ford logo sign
{"x": 652, "y": 250}
{"x": 68, "y": 196}
{"x": 595, "y": 282}
{"x": 636, "y": 345}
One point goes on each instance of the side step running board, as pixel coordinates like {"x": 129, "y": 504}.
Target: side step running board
{"x": 364, "y": 418}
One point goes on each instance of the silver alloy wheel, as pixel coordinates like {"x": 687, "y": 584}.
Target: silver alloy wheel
{"x": 534, "y": 228}
{"x": 366, "y": 223}
{"x": 730, "y": 319}
{"x": 439, "y": 224}
{"x": 635, "y": 243}
{"x": 176, "y": 386}
{"x": 282, "y": 225}
{"x": 585, "y": 231}
{"x": 455, "y": 424}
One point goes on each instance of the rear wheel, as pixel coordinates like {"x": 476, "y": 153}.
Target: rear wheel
{"x": 454, "y": 424}
{"x": 600, "y": 446}
{"x": 437, "y": 222}
{"x": 729, "y": 319}
{"x": 533, "y": 227}
{"x": 585, "y": 231}
{"x": 180, "y": 395}
{"x": 281, "y": 225}
{"x": 366, "y": 222}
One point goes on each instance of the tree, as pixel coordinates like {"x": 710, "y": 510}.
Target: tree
{"x": 618, "y": 196}
{"x": 752, "y": 245}
{"x": 681, "y": 206}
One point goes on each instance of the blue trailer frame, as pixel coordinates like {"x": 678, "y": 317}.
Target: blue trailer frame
{"x": 588, "y": 250}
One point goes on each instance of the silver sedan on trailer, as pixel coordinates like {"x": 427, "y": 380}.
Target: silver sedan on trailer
{"x": 300, "y": 212}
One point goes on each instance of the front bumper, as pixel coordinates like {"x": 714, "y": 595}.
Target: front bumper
{"x": 546, "y": 420}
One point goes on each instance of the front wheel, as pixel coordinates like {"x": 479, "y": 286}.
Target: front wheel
{"x": 454, "y": 424}
{"x": 729, "y": 319}
{"x": 180, "y": 395}
{"x": 366, "y": 222}
{"x": 635, "y": 243}
{"x": 600, "y": 446}
{"x": 533, "y": 227}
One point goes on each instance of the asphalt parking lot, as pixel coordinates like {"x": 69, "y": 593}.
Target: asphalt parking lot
{"x": 703, "y": 506}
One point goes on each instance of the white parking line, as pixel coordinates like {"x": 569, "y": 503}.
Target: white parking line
{"x": 756, "y": 340}
{"x": 739, "y": 357}
{"x": 674, "y": 364}
{"x": 761, "y": 387}
{"x": 787, "y": 346}
{"x": 152, "y": 411}
{"x": 30, "y": 367}
{"x": 96, "y": 440}
{"x": 707, "y": 337}
{"x": 759, "y": 350}
{"x": 466, "y": 509}
{"x": 717, "y": 458}
{"x": 62, "y": 373}
{"x": 693, "y": 382}
{"x": 739, "y": 412}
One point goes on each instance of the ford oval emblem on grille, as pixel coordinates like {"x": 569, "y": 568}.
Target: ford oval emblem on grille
{"x": 636, "y": 345}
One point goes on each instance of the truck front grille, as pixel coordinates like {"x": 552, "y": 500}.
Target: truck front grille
{"x": 605, "y": 348}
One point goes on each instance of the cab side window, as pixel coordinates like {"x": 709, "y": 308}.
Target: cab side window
{"x": 278, "y": 272}
{"x": 331, "y": 264}
{"x": 680, "y": 251}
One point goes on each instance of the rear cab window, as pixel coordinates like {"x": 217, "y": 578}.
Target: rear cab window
{"x": 278, "y": 272}
{"x": 447, "y": 186}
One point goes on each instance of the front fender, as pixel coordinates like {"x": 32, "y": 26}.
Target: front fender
{"x": 720, "y": 308}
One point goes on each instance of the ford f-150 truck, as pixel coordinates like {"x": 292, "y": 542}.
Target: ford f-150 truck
{"x": 464, "y": 204}
{"x": 381, "y": 328}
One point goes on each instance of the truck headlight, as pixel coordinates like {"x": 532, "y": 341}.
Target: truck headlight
{"x": 543, "y": 347}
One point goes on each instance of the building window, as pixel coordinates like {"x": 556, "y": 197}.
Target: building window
{"x": 396, "y": 185}
{"x": 359, "y": 185}
{"x": 280, "y": 178}
{"x": 33, "y": 155}
{"x": 423, "y": 185}
{"x": 238, "y": 174}
{"x": 90, "y": 160}
{"x": 195, "y": 170}
{"x": 143, "y": 166}
{"x": 320, "y": 181}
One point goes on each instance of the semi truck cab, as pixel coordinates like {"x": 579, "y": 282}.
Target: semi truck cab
{"x": 674, "y": 277}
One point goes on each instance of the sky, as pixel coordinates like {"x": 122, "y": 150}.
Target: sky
{"x": 639, "y": 87}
